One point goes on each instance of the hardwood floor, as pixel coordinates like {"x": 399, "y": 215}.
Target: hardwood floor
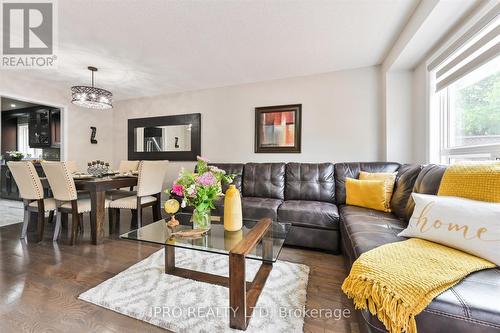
{"x": 40, "y": 282}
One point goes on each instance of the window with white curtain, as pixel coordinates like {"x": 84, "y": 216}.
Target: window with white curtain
{"x": 466, "y": 101}
{"x": 23, "y": 142}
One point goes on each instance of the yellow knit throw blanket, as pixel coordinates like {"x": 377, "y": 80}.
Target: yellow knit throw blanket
{"x": 397, "y": 281}
{"x": 474, "y": 180}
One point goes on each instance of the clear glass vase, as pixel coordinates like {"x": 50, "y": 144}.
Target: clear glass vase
{"x": 201, "y": 219}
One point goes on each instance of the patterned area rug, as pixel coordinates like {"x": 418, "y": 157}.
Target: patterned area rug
{"x": 11, "y": 212}
{"x": 145, "y": 292}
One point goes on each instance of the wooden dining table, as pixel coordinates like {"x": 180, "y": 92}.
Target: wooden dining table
{"x": 97, "y": 188}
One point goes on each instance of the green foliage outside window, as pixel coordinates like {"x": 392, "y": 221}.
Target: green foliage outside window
{"x": 479, "y": 106}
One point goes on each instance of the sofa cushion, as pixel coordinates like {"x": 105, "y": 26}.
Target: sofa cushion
{"x": 427, "y": 182}
{"x": 367, "y": 229}
{"x": 469, "y": 306}
{"x": 312, "y": 214}
{"x": 351, "y": 170}
{"x": 405, "y": 180}
{"x": 255, "y": 208}
{"x": 264, "y": 180}
{"x": 310, "y": 181}
{"x": 231, "y": 169}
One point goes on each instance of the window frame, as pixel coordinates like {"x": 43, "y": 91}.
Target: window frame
{"x": 439, "y": 115}
{"x": 443, "y": 106}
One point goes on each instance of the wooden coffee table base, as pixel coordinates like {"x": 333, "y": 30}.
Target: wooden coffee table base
{"x": 242, "y": 295}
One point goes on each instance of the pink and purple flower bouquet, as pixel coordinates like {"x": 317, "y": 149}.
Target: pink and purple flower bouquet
{"x": 200, "y": 189}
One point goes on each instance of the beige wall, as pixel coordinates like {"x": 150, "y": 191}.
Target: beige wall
{"x": 341, "y": 118}
{"x": 77, "y": 121}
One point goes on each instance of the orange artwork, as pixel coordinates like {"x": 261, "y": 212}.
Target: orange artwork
{"x": 278, "y": 129}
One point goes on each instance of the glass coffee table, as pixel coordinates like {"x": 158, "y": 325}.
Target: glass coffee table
{"x": 258, "y": 240}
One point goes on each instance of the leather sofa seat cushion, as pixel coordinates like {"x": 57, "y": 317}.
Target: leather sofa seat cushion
{"x": 351, "y": 170}
{"x": 310, "y": 181}
{"x": 366, "y": 229}
{"x": 255, "y": 208}
{"x": 312, "y": 214}
{"x": 219, "y": 207}
{"x": 264, "y": 180}
{"x": 469, "y": 306}
{"x": 405, "y": 181}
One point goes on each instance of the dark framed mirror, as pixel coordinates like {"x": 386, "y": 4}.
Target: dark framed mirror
{"x": 173, "y": 138}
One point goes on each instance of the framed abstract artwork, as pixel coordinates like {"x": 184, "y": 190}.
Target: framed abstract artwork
{"x": 278, "y": 129}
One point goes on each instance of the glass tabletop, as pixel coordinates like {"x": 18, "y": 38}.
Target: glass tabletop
{"x": 217, "y": 240}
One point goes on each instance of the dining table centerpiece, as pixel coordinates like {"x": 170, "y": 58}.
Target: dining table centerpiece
{"x": 15, "y": 155}
{"x": 200, "y": 190}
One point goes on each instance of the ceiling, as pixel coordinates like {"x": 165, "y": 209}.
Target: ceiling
{"x": 152, "y": 47}
{"x": 14, "y": 104}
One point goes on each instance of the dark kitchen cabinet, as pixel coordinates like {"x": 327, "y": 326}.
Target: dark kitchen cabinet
{"x": 8, "y": 187}
{"x": 40, "y": 128}
{"x": 9, "y": 133}
{"x": 55, "y": 124}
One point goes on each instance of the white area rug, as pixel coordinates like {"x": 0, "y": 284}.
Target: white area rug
{"x": 145, "y": 292}
{"x": 11, "y": 212}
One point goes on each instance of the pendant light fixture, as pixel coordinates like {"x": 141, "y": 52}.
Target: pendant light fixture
{"x": 91, "y": 97}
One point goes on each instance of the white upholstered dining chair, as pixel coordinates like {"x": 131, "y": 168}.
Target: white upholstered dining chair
{"x": 125, "y": 167}
{"x": 149, "y": 188}
{"x": 67, "y": 201}
{"x": 72, "y": 166}
{"x": 31, "y": 191}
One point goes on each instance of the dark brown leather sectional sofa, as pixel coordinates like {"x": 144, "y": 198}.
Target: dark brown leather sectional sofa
{"x": 312, "y": 196}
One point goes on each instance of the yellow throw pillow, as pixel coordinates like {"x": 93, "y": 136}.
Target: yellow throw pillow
{"x": 389, "y": 177}
{"x": 367, "y": 193}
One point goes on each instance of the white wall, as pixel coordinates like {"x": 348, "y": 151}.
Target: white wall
{"x": 399, "y": 126}
{"x": 420, "y": 114}
{"x": 341, "y": 117}
{"x": 76, "y": 120}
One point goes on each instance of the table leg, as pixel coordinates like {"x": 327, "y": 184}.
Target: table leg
{"x": 237, "y": 292}
{"x": 169, "y": 259}
{"x": 267, "y": 245}
{"x": 97, "y": 216}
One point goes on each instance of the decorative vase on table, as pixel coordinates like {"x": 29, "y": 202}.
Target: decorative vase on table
{"x": 233, "y": 220}
{"x": 200, "y": 190}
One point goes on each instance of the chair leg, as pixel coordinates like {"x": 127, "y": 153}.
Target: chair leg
{"x": 26, "y": 221}
{"x": 157, "y": 207}
{"x": 80, "y": 224}
{"x": 139, "y": 216}
{"x": 110, "y": 220}
{"x": 57, "y": 229}
{"x": 133, "y": 222}
{"x": 51, "y": 216}
{"x": 156, "y": 215}
{"x": 41, "y": 219}
{"x": 75, "y": 221}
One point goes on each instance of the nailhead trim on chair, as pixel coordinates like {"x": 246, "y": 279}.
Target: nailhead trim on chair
{"x": 35, "y": 183}
{"x": 139, "y": 177}
{"x": 70, "y": 183}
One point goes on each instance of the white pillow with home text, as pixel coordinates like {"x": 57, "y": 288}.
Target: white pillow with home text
{"x": 468, "y": 225}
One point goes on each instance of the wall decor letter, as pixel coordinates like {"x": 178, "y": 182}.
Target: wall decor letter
{"x": 92, "y": 135}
